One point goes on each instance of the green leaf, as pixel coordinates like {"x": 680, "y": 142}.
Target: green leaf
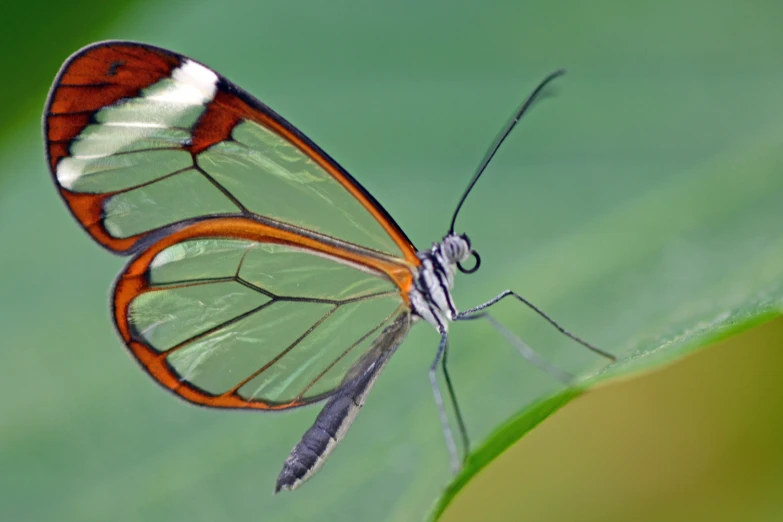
{"x": 531, "y": 416}
{"x": 640, "y": 207}
{"x": 500, "y": 440}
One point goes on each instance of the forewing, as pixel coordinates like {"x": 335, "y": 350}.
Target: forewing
{"x": 139, "y": 138}
{"x": 232, "y": 313}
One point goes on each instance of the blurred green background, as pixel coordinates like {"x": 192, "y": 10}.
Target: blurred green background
{"x": 640, "y": 206}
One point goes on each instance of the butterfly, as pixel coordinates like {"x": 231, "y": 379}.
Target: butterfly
{"x": 262, "y": 276}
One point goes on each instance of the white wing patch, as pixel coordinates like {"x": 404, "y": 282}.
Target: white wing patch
{"x": 193, "y": 84}
{"x": 159, "y": 118}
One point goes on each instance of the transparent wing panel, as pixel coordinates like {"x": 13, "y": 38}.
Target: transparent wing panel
{"x": 219, "y": 361}
{"x": 180, "y": 195}
{"x": 334, "y": 373}
{"x": 279, "y": 270}
{"x": 319, "y": 362}
{"x": 166, "y": 317}
{"x": 287, "y": 271}
{"x": 265, "y": 322}
{"x": 96, "y": 172}
{"x": 199, "y": 259}
{"x": 273, "y": 178}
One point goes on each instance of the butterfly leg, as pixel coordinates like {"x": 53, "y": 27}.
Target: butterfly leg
{"x": 463, "y": 431}
{"x": 444, "y": 417}
{"x": 473, "y": 311}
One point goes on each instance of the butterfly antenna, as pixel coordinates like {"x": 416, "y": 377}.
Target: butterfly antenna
{"x": 501, "y": 138}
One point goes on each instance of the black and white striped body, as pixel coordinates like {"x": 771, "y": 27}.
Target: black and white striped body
{"x": 430, "y": 299}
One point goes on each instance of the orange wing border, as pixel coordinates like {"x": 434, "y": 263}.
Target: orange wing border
{"x": 134, "y": 281}
{"x": 106, "y": 72}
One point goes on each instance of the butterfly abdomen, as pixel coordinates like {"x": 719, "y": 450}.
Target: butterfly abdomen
{"x": 317, "y": 442}
{"x": 340, "y": 410}
{"x": 329, "y": 428}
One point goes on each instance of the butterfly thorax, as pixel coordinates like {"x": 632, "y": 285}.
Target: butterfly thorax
{"x": 430, "y": 296}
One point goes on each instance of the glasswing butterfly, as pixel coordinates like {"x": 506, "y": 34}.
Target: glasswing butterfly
{"x": 262, "y": 275}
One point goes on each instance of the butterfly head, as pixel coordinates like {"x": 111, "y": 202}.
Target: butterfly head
{"x": 457, "y": 249}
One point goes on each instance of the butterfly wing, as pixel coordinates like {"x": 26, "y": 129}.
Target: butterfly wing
{"x": 233, "y": 313}
{"x": 140, "y": 138}
{"x": 262, "y": 271}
